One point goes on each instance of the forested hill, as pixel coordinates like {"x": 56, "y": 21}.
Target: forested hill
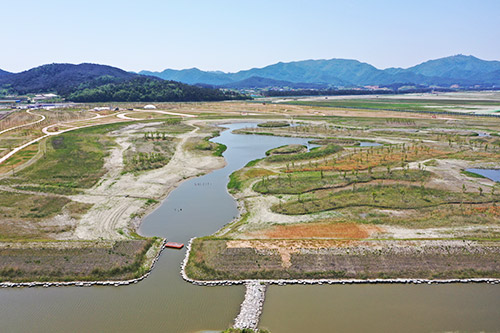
{"x": 144, "y": 89}
{"x": 99, "y": 83}
{"x": 4, "y": 73}
{"x": 61, "y": 78}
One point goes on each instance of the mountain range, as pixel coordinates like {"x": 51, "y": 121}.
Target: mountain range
{"x": 465, "y": 71}
{"x": 111, "y": 82}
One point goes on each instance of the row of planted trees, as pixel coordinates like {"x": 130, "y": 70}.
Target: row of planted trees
{"x": 362, "y": 158}
{"x": 145, "y": 161}
{"x": 156, "y": 136}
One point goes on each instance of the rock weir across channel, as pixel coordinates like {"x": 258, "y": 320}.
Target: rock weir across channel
{"x": 251, "y": 308}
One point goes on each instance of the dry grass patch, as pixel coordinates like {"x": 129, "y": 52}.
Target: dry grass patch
{"x": 19, "y": 158}
{"x": 82, "y": 261}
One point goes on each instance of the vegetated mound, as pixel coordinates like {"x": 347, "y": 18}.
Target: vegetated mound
{"x": 84, "y": 261}
{"x": 390, "y": 196}
{"x": 335, "y": 141}
{"x": 274, "y": 124}
{"x": 61, "y": 78}
{"x": 287, "y": 149}
{"x": 220, "y": 259}
{"x": 146, "y": 89}
{"x": 296, "y": 183}
{"x": 314, "y": 153}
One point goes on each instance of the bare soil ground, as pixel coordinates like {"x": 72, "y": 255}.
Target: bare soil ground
{"x": 317, "y": 230}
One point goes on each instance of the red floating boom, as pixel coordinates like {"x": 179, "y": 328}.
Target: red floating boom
{"x": 174, "y": 245}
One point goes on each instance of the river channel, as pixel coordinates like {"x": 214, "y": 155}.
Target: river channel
{"x": 164, "y": 302}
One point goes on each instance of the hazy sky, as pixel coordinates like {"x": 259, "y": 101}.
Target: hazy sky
{"x": 233, "y": 35}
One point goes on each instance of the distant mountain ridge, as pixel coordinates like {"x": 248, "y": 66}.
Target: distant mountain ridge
{"x": 261, "y": 82}
{"x": 459, "y": 69}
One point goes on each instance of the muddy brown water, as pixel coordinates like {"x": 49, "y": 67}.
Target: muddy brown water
{"x": 164, "y": 302}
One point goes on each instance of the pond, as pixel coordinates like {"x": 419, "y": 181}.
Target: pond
{"x": 369, "y": 144}
{"x": 493, "y": 174}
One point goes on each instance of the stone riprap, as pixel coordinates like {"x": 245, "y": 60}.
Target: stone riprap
{"x": 251, "y": 308}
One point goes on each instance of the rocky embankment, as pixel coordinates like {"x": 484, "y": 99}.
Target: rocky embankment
{"x": 251, "y": 308}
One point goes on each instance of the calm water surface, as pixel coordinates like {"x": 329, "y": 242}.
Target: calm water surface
{"x": 369, "y": 144}
{"x": 493, "y": 174}
{"x": 164, "y": 302}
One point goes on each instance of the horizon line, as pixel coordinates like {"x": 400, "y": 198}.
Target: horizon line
{"x": 247, "y": 69}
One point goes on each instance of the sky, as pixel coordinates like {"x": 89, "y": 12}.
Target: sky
{"x": 235, "y": 35}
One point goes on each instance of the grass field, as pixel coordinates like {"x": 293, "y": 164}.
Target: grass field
{"x": 389, "y": 196}
{"x": 421, "y": 105}
{"x": 72, "y": 160}
{"x": 302, "y": 182}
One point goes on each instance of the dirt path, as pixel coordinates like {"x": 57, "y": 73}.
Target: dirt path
{"x": 169, "y": 113}
{"x": 19, "y": 126}
{"x": 47, "y": 133}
